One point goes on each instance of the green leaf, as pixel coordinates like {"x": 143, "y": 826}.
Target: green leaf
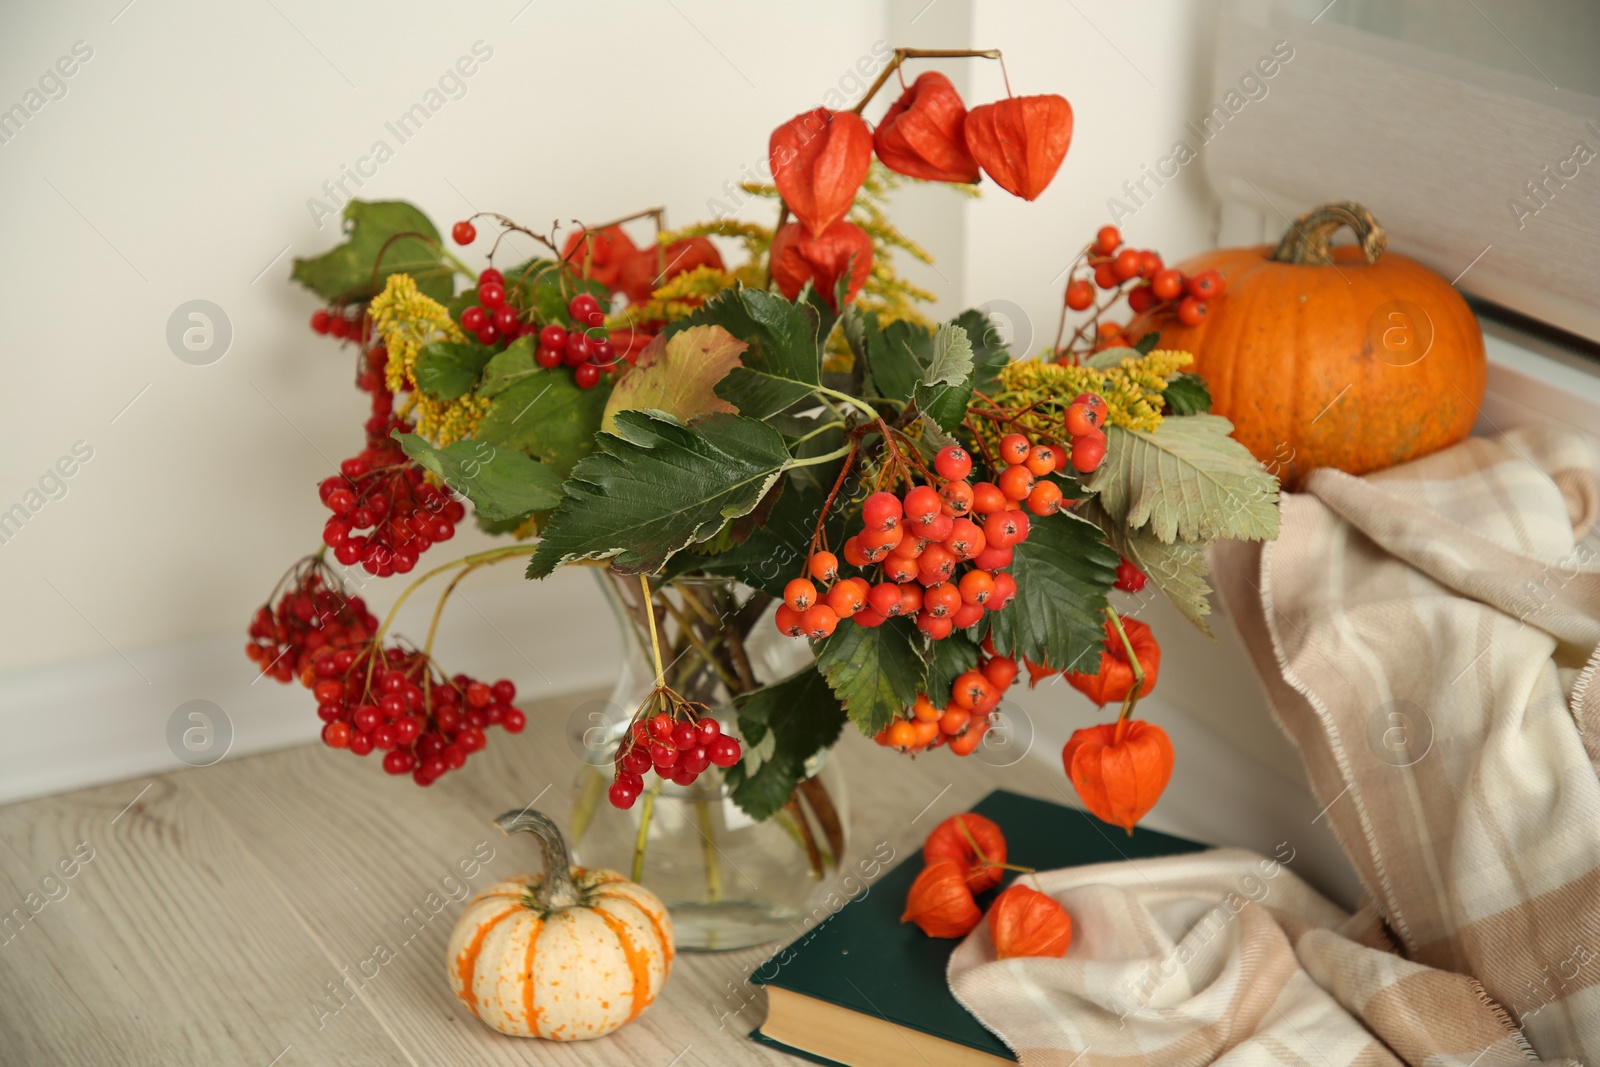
{"x": 947, "y": 659}
{"x": 1178, "y": 571}
{"x": 803, "y": 717}
{"x": 1187, "y": 394}
{"x": 678, "y": 375}
{"x": 946, "y": 388}
{"x": 1064, "y": 571}
{"x": 876, "y": 672}
{"x": 990, "y": 353}
{"x": 544, "y": 414}
{"x": 449, "y": 370}
{"x": 655, "y": 486}
{"x": 1187, "y": 479}
{"x": 776, "y": 550}
{"x": 501, "y": 482}
{"x": 1147, "y": 344}
{"x": 783, "y": 364}
{"x": 507, "y": 368}
{"x": 893, "y": 364}
{"x": 344, "y": 274}
{"x": 827, "y": 317}
{"x": 951, "y": 360}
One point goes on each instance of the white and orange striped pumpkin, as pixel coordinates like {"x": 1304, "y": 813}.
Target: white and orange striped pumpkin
{"x": 566, "y": 955}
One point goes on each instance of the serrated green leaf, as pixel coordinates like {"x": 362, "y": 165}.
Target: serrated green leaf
{"x": 678, "y": 375}
{"x": 802, "y": 717}
{"x": 449, "y": 369}
{"x": 946, "y": 387}
{"x": 654, "y": 486}
{"x": 783, "y": 364}
{"x": 951, "y": 360}
{"x": 876, "y": 672}
{"x": 544, "y": 413}
{"x": 990, "y": 352}
{"x": 1063, "y": 571}
{"x": 948, "y": 659}
{"x": 501, "y": 482}
{"x": 1147, "y": 344}
{"x": 776, "y": 550}
{"x": 1188, "y": 480}
{"x": 893, "y": 357}
{"x": 345, "y": 273}
{"x": 1178, "y": 571}
{"x": 826, "y": 315}
{"x": 1187, "y": 394}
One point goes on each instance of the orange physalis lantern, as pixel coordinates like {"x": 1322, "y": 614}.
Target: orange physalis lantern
{"x": 609, "y": 249}
{"x": 1119, "y": 768}
{"x": 819, "y": 159}
{"x": 1112, "y": 681}
{"x": 973, "y": 842}
{"x": 923, "y": 134}
{"x": 798, "y": 258}
{"x": 940, "y": 902}
{"x": 1021, "y": 141}
{"x": 645, "y": 272}
{"x": 1026, "y": 922}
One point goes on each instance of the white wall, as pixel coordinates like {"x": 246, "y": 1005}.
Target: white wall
{"x": 179, "y": 165}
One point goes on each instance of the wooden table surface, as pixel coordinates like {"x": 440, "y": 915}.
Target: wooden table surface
{"x": 229, "y": 914}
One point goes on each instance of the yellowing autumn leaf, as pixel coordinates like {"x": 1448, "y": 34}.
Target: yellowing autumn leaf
{"x": 678, "y": 375}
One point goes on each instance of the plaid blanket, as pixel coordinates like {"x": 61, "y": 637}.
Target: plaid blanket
{"x": 1428, "y": 638}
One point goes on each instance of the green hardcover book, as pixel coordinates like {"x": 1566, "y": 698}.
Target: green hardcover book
{"x": 863, "y": 989}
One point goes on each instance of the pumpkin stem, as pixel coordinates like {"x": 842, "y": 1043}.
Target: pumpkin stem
{"x": 557, "y": 889}
{"x": 1306, "y": 243}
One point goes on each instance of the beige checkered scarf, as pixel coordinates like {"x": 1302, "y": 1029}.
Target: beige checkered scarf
{"x": 1428, "y": 638}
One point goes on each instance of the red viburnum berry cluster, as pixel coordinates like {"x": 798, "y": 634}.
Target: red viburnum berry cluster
{"x": 939, "y": 553}
{"x": 677, "y": 749}
{"x": 333, "y": 322}
{"x": 960, "y": 722}
{"x": 383, "y": 491}
{"x": 587, "y": 347}
{"x": 313, "y": 615}
{"x": 424, "y": 723}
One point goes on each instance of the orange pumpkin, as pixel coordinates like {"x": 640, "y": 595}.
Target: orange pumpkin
{"x": 1332, "y": 357}
{"x": 1119, "y": 769}
{"x": 566, "y": 955}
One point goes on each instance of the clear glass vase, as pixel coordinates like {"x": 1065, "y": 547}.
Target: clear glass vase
{"x": 729, "y": 881}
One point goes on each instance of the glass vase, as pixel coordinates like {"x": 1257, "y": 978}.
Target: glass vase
{"x": 728, "y": 880}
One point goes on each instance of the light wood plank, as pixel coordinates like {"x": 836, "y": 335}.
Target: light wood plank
{"x": 329, "y": 854}
{"x": 167, "y": 947}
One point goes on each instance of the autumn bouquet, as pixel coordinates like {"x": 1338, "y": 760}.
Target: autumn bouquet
{"x": 929, "y": 510}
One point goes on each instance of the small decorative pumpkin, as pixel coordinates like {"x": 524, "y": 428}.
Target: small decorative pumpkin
{"x": 566, "y": 955}
{"x": 1333, "y": 357}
